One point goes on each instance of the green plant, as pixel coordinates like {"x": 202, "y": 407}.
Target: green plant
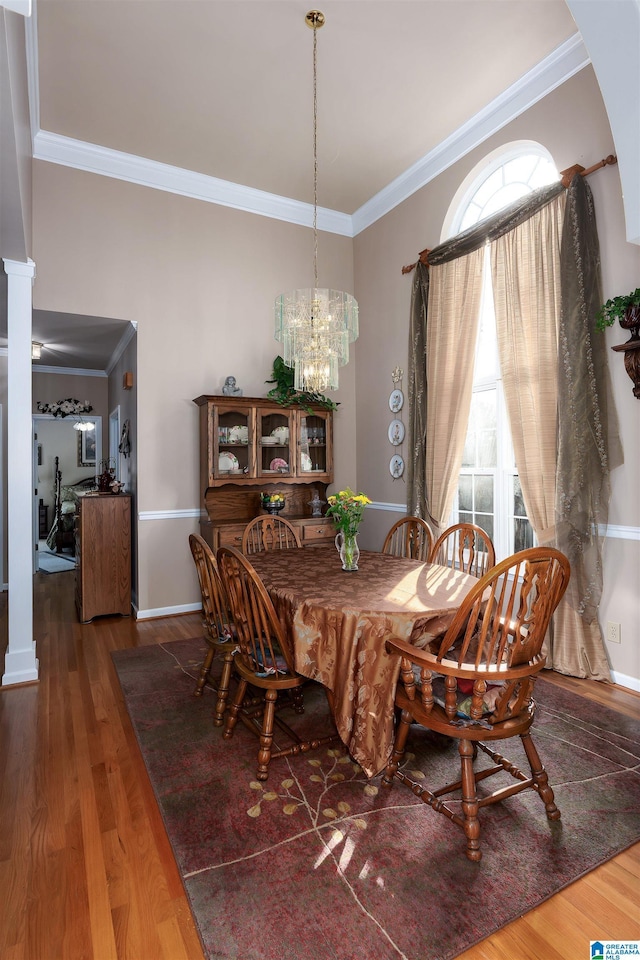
{"x": 285, "y": 393}
{"x": 616, "y": 308}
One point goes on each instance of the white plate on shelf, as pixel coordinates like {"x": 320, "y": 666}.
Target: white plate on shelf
{"x": 281, "y": 434}
{"x": 238, "y": 435}
{"x": 227, "y": 462}
{"x": 305, "y": 462}
{"x": 268, "y": 441}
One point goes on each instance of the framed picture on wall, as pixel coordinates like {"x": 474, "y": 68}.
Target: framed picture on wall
{"x": 87, "y": 447}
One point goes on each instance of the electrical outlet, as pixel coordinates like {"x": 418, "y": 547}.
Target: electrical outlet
{"x": 613, "y": 632}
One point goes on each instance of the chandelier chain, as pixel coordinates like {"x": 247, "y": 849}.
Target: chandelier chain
{"x": 315, "y": 157}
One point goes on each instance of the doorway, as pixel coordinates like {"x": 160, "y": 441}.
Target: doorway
{"x": 77, "y": 455}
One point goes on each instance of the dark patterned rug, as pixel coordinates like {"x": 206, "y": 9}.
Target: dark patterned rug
{"x": 321, "y": 864}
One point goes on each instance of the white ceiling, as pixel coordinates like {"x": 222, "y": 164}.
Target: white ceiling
{"x": 223, "y": 88}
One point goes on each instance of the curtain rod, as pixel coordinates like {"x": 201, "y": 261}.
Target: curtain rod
{"x": 566, "y": 176}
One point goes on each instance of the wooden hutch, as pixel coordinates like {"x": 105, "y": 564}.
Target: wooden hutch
{"x": 250, "y": 446}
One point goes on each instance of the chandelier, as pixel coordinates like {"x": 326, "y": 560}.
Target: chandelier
{"x": 316, "y": 325}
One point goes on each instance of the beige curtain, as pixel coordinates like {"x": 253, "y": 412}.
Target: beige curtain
{"x": 455, "y": 290}
{"x": 525, "y": 267}
{"x": 526, "y": 271}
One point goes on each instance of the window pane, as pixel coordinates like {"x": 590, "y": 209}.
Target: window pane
{"x": 487, "y": 448}
{"x": 464, "y": 493}
{"x": 486, "y": 524}
{"x": 518, "y": 500}
{"x": 469, "y": 452}
{"x": 465, "y": 517}
{"x": 484, "y": 494}
{"x": 523, "y": 535}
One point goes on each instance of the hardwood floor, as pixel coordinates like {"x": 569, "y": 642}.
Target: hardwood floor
{"x": 86, "y": 870}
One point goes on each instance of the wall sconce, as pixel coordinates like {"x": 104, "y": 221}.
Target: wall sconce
{"x": 127, "y": 380}
{"x": 36, "y": 350}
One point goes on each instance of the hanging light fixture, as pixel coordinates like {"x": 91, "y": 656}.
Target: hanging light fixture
{"x": 316, "y": 325}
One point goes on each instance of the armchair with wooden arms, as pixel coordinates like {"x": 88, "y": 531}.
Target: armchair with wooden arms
{"x": 264, "y": 661}
{"x": 477, "y": 687}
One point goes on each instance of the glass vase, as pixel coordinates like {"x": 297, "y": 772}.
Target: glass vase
{"x": 347, "y": 547}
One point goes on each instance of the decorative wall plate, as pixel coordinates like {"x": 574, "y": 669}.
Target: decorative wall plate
{"x": 396, "y": 401}
{"x": 396, "y": 466}
{"x": 396, "y": 432}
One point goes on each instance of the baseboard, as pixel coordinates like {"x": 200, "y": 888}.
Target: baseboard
{"x": 175, "y": 611}
{"x": 631, "y": 683}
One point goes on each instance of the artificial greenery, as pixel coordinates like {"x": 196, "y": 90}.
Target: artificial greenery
{"x": 285, "y": 393}
{"x": 615, "y": 309}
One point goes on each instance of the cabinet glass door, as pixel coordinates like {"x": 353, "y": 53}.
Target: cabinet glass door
{"x": 231, "y": 451}
{"x": 274, "y": 444}
{"x": 313, "y": 443}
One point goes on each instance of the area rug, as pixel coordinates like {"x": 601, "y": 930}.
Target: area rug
{"x": 320, "y": 863}
{"x": 54, "y": 563}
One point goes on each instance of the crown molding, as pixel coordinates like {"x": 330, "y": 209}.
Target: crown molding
{"x": 565, "y": 61}
{"x": 562, "y": 64}
{"x": 92, "y": 158}
{"x": 123, "y": 343}
{"x": 68, "y": 371}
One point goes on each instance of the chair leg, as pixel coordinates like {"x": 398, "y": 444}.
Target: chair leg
{"x": 398, "y": 749}
{"x": 297, "y": 699}
{"x": 266, "y": 734}
{"x": 204, "y": 672}
{"x": 234, "y": 710}
{"x": 223, "y": 689}
{"x": 471, "y": 823}
{"x": 540, "y": 777}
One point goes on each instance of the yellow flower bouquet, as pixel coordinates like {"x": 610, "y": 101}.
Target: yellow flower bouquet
{"x": 346, "y": 508}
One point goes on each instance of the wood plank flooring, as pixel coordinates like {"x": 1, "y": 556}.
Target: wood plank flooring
{"x": 86, "y": 870}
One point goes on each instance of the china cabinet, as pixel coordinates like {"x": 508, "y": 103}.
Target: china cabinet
{"x": 103, "y": 555}
{"x": 250, "y": 446}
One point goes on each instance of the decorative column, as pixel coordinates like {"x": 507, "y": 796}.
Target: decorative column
{"x": 21, "y": 664}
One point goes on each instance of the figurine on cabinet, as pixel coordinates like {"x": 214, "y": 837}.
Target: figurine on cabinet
{"x": 230, "y": 389}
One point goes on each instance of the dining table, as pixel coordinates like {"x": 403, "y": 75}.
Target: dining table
{"x": 338, "y": 623}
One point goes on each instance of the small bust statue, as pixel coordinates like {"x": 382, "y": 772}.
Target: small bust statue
{"x": 230, "y": 389}
{"x": 316, "y": 504}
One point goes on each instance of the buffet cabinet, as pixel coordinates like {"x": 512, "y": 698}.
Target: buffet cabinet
{"x": 250, "y": 446}
{"x": 103, "y": 555}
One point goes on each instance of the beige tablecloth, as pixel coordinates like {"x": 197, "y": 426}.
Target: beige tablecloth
{"x": 338, "y": 623}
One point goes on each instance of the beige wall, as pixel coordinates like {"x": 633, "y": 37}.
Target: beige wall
{"x": 200, "y": 280}
{"x": 572, "y": 125}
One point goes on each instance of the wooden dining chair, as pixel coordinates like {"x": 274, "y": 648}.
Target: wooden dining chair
{"x": 410, "y": 537}
{"x": 269, "y": 533}
{"x": 217, "y": 621}
{"x": 478, "y": 687}
{"x": 464, "y": 546}
{"x": 264, "y": 661}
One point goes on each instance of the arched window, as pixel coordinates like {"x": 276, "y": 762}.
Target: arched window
{"x": 489, "y": 492}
